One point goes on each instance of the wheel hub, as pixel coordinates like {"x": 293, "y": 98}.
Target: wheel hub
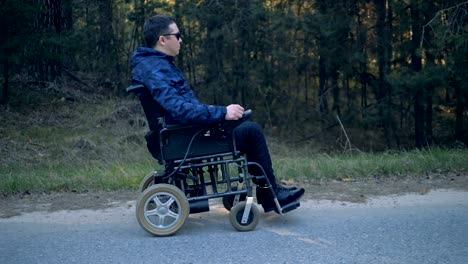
{"x": 163, "y": 210}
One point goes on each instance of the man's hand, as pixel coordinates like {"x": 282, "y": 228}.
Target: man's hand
{"x": 234, "y": 112}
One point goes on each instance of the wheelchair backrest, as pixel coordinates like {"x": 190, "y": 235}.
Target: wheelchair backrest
{"x": 154, "y": 114}
{"x": 153, "y": 111}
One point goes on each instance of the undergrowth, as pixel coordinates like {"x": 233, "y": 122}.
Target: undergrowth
{"x": 72, "y": 145}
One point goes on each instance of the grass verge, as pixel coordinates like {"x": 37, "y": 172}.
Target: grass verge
{"x": 323, "y": 167}
{"x": 127, "y": 174}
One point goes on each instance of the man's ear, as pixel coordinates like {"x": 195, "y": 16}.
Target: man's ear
{"x": 161, "y": 40}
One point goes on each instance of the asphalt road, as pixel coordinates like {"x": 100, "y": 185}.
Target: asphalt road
{"x": 431, "y": 228}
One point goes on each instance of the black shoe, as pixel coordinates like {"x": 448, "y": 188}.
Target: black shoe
{"x": 263, "y": 193}
{"x": 287, "y": 196}
{"x": 284, "y": 196}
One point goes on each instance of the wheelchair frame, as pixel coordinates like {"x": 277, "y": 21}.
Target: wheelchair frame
{"x": 198, "y": 163}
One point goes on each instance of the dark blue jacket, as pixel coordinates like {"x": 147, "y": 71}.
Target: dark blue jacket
{"x": 167, "y": 85}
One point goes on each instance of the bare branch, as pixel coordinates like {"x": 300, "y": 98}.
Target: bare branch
{"x": 348, "y": 142}
{"x": 437, "y": 15}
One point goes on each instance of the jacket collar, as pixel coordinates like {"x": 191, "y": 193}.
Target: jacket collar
{"x": 158, "y": 53}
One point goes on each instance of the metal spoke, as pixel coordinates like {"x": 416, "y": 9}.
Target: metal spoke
{"x": 163, "y": 210}
{"x": 169, "y": 202}
{"x": 161, "y": 220}
{"x": 172, "y": 214}
{"x": 152, "y": 212}
{"x": 157, "y": 201}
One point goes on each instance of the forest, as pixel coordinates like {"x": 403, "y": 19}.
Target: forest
{"x": 365, "y": 74}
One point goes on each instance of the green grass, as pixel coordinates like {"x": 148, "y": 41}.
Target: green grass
{"x": 66, "y": 147}
{"x": 126, "y": 174}
{"x": 64, "y": 177}
{"x": 97, "y": 146}
{"x": 321, "y": 167}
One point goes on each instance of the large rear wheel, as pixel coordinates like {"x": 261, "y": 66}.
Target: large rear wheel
{"x": 162, "y": 209}
{"x": 147, "y": 181}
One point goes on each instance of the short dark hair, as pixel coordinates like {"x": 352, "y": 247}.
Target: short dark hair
{"x": 155, "y": 27}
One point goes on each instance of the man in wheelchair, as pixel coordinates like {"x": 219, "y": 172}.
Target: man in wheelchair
{"x": 167, "y": 94}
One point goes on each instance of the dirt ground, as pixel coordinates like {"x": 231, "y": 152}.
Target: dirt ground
{"x": 346, "y": 191}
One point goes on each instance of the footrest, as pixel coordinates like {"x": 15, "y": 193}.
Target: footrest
{"x": 291, "y": 206}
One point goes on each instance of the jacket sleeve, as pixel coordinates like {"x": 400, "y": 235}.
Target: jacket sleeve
{"x": 178, "y": 100}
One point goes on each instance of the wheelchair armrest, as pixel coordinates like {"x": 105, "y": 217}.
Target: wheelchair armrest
{"x": 227, "y": 124}
{"x": 178, "y": 126}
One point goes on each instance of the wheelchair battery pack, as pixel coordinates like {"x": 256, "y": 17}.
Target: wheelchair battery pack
{"x": 197, "y": 140}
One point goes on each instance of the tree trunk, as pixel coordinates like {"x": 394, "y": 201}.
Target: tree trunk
{"x": 4, "y": 58}
{"x": 419, "y": 119}
{"x": 430, "y": 60}
{"x": 6, "y": 77}
{"x": 428, "y": 116}
{"x": 244, "y": 23}
{"x": 383, "y": 90}
{"x": 460, "y": 108}
{"x": 348, "y": 91}
{"x": 306, "y": 75}
{"x": 416, "y": 65}
{"x": 214, "y": 51}
{"x": 361, "y": 46}
{"x": 323, "y": 104}
{"x": 180, "y": 22}
{"x": 335, "y": 91}
{"x": 107, "y": 56}
{"x": 106, "y": 35}
{"x": 137, "y": 34}
{"x": 53, "y": 20}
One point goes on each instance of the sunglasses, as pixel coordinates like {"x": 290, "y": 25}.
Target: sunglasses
{"x": 178, "y": 35}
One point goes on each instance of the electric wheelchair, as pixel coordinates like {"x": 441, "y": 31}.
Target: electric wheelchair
{"x": 200, "y": 163}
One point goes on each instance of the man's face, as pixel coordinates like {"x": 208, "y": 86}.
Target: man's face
{"x": 171, "y": 41}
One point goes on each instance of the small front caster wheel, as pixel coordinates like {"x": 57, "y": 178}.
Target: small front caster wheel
{"x": 162, "y": 209}
{"x": 228, "y": 201}
{"x": 235, "y": 216}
